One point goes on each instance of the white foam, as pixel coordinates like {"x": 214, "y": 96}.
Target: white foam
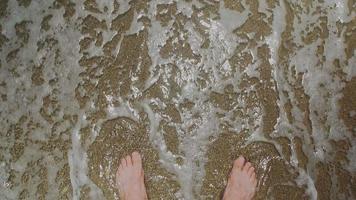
{"x": 278, "y": 26}
{"x": 136, "y": 26}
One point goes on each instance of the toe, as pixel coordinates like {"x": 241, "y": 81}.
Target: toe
{"x": 123, "y": 163}
{"x": 119, "y": 169}
{"x": 247, "y": 167}
{"x": 136, "y": 159}
{"x": 128, "y": 160}
{"x": 253, "y": 177}
{"x": 251, "y": 171}
{"x": 239, "y": 162}
{"x": 255, "y": 183}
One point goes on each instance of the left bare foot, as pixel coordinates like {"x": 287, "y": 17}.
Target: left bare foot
{"x": 242, "y": 181}
{"x": 130, "y": 178}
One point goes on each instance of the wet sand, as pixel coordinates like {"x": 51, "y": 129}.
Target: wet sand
{"x": 189, "y": 84}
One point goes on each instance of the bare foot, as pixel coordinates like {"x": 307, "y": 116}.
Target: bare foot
{"x": 242, "y": 181}
{"x": 130, "y": 179}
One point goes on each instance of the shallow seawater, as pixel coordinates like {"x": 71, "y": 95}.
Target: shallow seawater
{"x": 191, "y": 84}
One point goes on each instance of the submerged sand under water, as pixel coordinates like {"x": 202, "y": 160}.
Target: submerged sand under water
{"x": 191, "y": 84}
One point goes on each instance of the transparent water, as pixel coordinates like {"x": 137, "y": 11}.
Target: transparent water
{"x": 190, "y": 84}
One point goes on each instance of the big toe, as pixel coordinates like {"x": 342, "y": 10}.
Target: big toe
{"x": 239, "y": 162}
{"x": 136, "y": 159}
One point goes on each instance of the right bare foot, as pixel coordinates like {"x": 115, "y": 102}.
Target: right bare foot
{"x": 242, "y": 181}
{"x": 130, "y": 179}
